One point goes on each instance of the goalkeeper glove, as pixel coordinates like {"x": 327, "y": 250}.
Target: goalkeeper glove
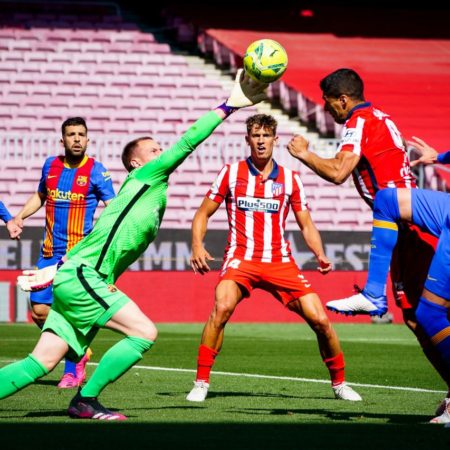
{"x": 245, "y": 92}
{"x": 38, "y": 279}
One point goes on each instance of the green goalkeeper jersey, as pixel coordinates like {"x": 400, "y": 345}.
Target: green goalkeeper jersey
{"x": 131, "y": 221}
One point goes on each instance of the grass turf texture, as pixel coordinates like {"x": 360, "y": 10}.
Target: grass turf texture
{"x": 240, "y": 412}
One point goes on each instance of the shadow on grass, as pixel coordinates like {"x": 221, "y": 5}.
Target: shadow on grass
{"x": 246, "y": 436}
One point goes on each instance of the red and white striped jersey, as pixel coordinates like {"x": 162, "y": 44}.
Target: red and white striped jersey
{"x": 373, "y": 136}
{"x": 257, "y": 210}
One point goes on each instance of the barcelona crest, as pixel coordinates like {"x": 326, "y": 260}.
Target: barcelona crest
{"x": 82, "y": 180}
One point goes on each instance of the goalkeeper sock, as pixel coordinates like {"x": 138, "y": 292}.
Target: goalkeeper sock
{"x": 336, "y": 367}
{"x": 384, "y": 237}
{"x": 205, "y": 361}
{"x": 115, "y": 362}
{"x": 20, "y": 374}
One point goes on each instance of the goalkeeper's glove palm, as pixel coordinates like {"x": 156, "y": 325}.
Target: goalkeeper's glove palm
{"x": 37, "y": 280}
{"x": 246, "y": 91}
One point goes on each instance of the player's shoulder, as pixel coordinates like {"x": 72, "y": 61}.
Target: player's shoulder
{"x": 50, "y": 160}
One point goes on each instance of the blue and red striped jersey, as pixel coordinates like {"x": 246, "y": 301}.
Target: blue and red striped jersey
{"x": 72, "y": 196}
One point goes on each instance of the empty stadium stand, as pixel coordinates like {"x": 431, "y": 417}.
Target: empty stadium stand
{"x": 128, "y": 82}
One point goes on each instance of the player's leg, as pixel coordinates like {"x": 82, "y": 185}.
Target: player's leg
{"x": 310, "y": 308}
{"x": 140, "y": 335}
{"x": 74, "y": 373}
{"x": 49, "y": 350}
{"x": 409, "y": 269}
{"x": 227, "y": 296}
{"x": 386, "y": 213}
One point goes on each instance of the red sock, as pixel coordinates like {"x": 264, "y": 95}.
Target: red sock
{"x": 336, "y": 366}
{"x": 205, "y": 361}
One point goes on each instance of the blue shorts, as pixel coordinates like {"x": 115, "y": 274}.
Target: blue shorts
{"x": 46, "y": 295}
{"x": 431, "y": 212}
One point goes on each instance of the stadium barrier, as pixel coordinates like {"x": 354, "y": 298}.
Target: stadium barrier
{"x": 177, "y": 297}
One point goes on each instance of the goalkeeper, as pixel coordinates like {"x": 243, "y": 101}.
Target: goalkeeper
{"x": 85, "y": 298}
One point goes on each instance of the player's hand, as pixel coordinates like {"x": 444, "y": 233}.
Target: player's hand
{"x": 298, "y": 146}
{"x": 246, "y": 92}
{"x": 325, "y": 265}
{"x": 37, "y": 280}
{"x": 199, "y": 260}
{"x": 14, "y": 229}
{"x": 428, "y": 154}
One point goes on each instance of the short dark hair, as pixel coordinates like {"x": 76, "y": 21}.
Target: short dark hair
{"x": 127, "y": 152}
{"x": 71, "y": 121}
{"x": 262, "y": 121}
{"x": 343, "y": 81}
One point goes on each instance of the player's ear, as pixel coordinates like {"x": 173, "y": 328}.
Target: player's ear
{"x": 134, "y": 164}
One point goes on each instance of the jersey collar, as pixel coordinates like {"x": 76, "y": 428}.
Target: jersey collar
{"x": 255, "y": 172}
{"x": 360, "y": 106}
{"x": 81, "y": 164}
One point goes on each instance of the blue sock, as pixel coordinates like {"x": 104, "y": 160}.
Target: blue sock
{"x": 384, "y": 238}
{"x": 434, "y": 321}
{"x": 70, "y": 367}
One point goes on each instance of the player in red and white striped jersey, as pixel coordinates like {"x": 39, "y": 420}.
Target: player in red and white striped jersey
{"x": 373, "y": 151}
{"x": 258, "y": 194}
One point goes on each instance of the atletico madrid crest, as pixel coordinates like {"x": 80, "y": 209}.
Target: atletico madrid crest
{"x": 277, "y": 189}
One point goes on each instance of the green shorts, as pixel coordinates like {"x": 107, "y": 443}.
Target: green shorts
{"x": 83, "y": 303}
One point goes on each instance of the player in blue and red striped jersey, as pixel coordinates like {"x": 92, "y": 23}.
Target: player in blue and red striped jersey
{"x": 373, "y": 151}
{"x": 71, "y": 187}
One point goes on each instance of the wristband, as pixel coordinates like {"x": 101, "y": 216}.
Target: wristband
{"x": 227, "y": 109}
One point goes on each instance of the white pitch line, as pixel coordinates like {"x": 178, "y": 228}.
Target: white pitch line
{"x": 274, "y": 377}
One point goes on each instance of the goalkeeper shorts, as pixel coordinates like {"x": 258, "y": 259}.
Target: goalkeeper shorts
{"x": 83, "y": 303}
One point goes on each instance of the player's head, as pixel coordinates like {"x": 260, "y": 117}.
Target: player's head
{"x": 261, "y": 136}
{"x": 341, "y": 91}
{"x": 139, "y": 152}
{"x": 74, "y": 137}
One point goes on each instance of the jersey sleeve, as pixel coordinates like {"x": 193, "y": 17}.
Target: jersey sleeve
{"x": 103, "y": 186}
{"x": 219, "y": 189}
{"x": 298, "y": 197}
{"x": 352, "y": 136}
{"x": 4, "y": 213}
{"x": 444, "y": 158}
{"x": 42, "y": 188}
{"x": 169, "y": 160}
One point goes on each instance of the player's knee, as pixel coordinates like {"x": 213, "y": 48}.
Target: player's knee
{"x": 39, "y": 313}
{"x": 385, "y": 206}
{"x": 321, "y": 325}
{"x": 223, "y": 309}
{"x": 145, "y": 330}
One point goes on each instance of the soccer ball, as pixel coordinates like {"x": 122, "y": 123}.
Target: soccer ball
{"x": 265, "y": 60}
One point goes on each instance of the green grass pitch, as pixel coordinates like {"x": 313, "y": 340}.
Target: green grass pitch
{"x": 269, "y": 390}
